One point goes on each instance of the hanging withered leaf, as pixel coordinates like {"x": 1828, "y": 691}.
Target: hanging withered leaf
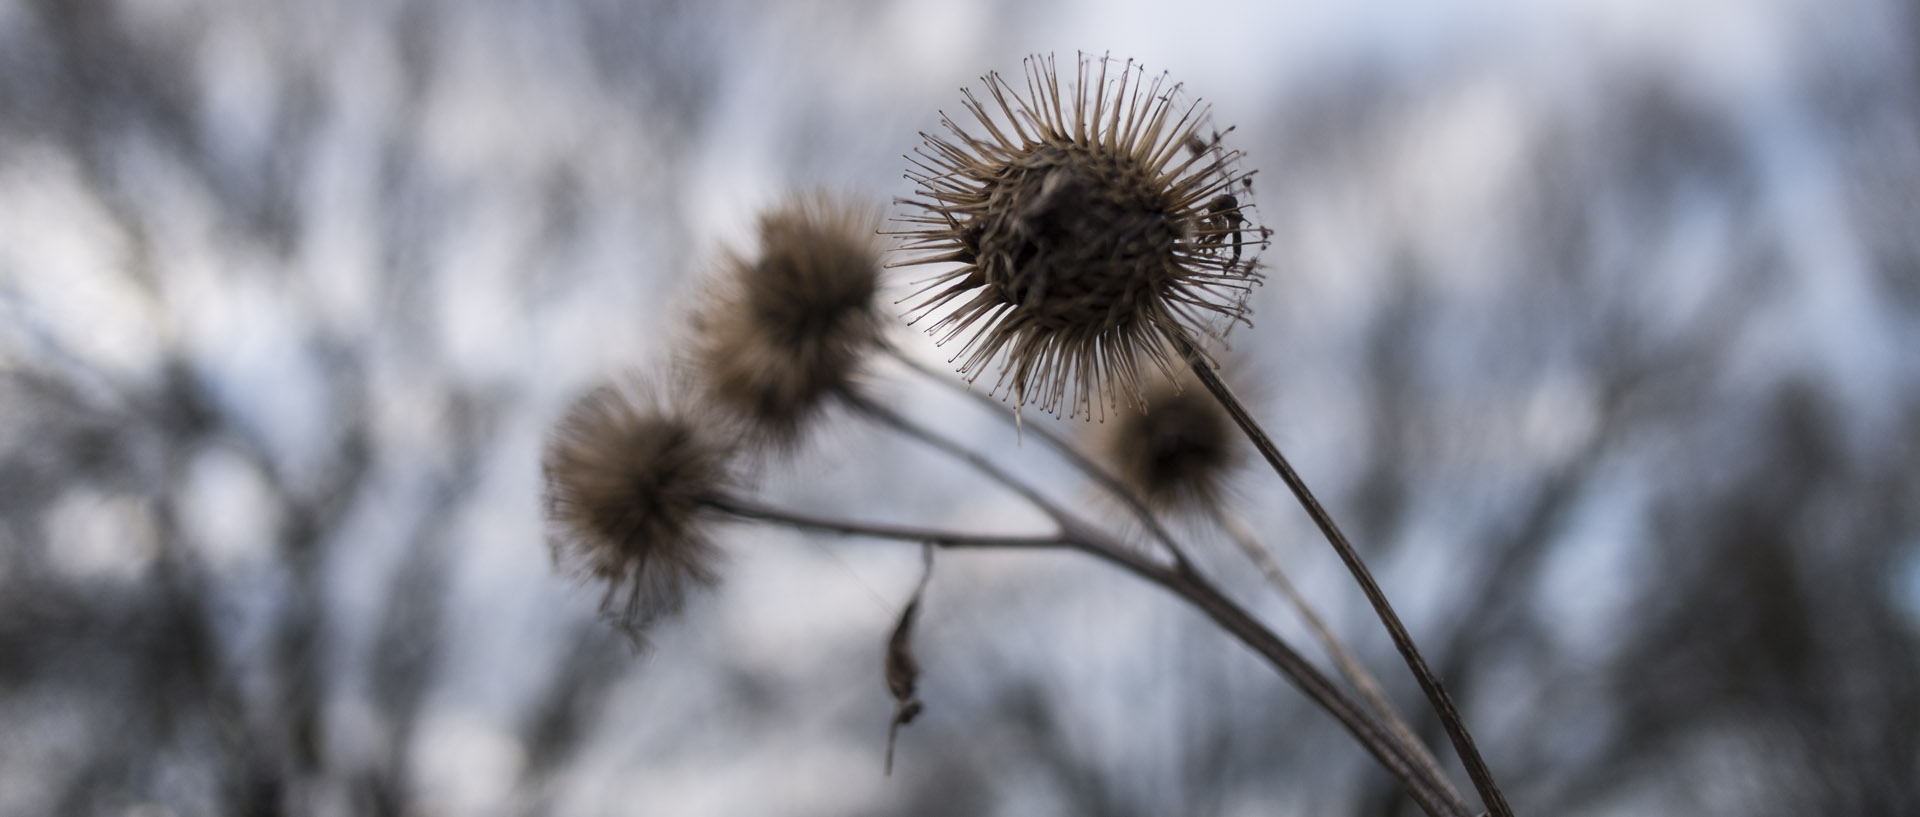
{"x": 902, "y": 671}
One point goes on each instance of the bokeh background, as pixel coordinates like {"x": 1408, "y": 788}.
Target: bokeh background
{"x": 1596, "y": 322}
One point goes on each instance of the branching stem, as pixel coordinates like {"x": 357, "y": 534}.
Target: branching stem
{"x": 1343, "y": 658}
{"x": 1430, "y": 684}
{"x": 1066, "y": 449}
{"x": 753, "y": 511}
{"x": 1433, "y": 795}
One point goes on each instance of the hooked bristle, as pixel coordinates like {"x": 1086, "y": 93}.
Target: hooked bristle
{"x": 1086, "y": 228}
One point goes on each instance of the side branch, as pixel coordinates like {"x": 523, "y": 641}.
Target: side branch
{"x": 1066, "y": 449}
{"x": 1433, "y": 796}
{"x": 1181, "y": 578}
{"x": 753, "y": 511}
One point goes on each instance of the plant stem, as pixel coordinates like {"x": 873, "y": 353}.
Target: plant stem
{"x": 892, "y": 419}
{"x": 1180, "y": 580}
{"x": 1236, "y": 528}
{"x": 1066, "y": 449}
{"x": 756, "y": 512}
{"x": 1343, "y": 658}
{"x": 1435, "y": 795}
{"x": 1430, "y": 685}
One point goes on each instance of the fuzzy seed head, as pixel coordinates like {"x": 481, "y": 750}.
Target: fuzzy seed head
{"x": 1081, "y": 230}
{"x": 1177, "y": 450}
{"x": 783, "y": 331}
{"x": 628, "y": 481}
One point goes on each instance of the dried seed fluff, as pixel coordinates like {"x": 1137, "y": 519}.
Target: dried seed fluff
{"x": 785, "y": 330}
{"x": 628, "y": 481}
{"x": 1177, "y": 450}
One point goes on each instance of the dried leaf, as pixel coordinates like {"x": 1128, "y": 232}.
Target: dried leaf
{"x": 902, "y": 671}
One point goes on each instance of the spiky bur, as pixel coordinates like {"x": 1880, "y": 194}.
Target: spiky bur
{"x": 1177, "y": 450}
{"x": 628, "y": 481}
{"x": 1081, "y": 227}
{"x": 783, "y": 331}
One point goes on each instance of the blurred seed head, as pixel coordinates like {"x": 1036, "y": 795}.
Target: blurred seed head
{"x": 1084, "y": 226}
{"x": 783, "y": 331}
{"x": 628, "y": 478}
{"x": 1177, "y": 449}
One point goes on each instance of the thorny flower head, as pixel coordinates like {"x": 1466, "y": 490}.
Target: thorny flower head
{"x": 1176, "y": 451}
{"x": 629, "y": 479}
{"x": 1085, "y": 226}
{"x": 785, "y": 330}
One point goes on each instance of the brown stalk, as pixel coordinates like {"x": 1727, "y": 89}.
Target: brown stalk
{"x": 1434, "y": 795}
{"x": 1430, "y": 684}
{"x": 1343, "y": 658}
{"x": 1236, "y": 528}
{"x": 1183, "y": 582}
{"x": 1066, "y": 449}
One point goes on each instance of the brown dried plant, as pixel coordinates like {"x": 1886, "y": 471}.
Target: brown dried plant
{"x": 1177, "y": 453}
{"x": 1092, "y": 241}
{"x": 782, "y": 331}
{"x": 629, "y": 477}
{"x": 1176, "y": 450}
{"x": 1077, "y": 229}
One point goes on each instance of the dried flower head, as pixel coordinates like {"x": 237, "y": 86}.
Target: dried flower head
{"x": 1176, "y": 451}
{"x": 789, "y": 328}
{"x": 629, "y": 479}
{"x": 1086, "y": 227}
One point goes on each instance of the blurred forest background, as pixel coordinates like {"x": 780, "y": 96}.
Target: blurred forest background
{"x": 1596, "y": 322}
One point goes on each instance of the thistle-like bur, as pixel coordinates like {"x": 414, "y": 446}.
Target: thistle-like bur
{"x": 1083, "y": 228}
{"x": 1177, "y": 450}
{"x": 629, "y": 482}
{"x": 783, "y": 331}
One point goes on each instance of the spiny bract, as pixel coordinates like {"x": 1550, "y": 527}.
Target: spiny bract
{"x": 1085, "y": 228}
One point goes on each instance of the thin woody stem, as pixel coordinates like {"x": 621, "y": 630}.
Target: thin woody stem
{"x": 1181, "y": 581}
{"x": 892, "y": 419}
{"x": 757, "y": 512}
{"x": 1430, "y": 684}
{"x": 1066, "y": 449}
{"x": 1433, "y": 795}
{"x": 1343, "y": 658}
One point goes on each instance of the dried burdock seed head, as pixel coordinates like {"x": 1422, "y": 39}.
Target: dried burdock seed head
{"x": 628, "y": 481}
{"x": 1084, "y": 227}
{"x": 1177, "y": 450}
{"x": 785, "y": 330}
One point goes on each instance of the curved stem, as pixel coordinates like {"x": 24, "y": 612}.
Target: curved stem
{"x": 756, "y": 512}
{"x": 892, "y": 419}
{"x": 1432, "y": 794}
{"x": 1430, "y": 684}
{"x": 1237, "y": 529}
{"x": 1066, "y": 449}
{"x": 1181, "y": 578}
{"x": 1343, "y": 658}
{"x": 1178, "y": 579}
